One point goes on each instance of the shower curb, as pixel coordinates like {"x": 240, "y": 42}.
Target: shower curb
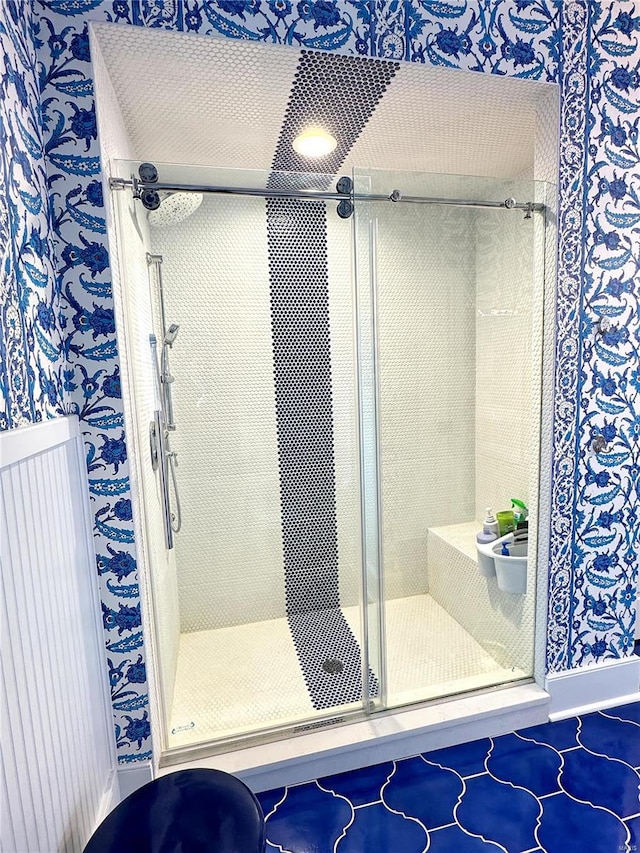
{"x": 386, "y": 737}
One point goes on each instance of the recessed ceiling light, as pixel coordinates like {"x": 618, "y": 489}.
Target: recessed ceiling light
{"x": 314, "y": 142}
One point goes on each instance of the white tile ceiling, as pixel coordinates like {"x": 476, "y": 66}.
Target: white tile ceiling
{"x": 218, "y": 102}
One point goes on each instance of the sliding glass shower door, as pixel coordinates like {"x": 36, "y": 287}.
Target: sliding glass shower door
{"x": 450, "y": 274}
{"x": 348, "y": 394}
{"x": 263, "y": 385}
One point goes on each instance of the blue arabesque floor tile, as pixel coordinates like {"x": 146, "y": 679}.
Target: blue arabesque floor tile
{"x": 564, "y": 787}
{"x": 377, "y": 828}
{"x": 424, "y": 791}
{"x": 533, "y": 766}
{"x": 560, "y": 735}
{"x": 452, "y": 838}
{"x": 467, "y": 759}
{"x": 601, "y": 782}
{"x": 360, "y": 786}
{"x": 499, "y": 812}
{"x": 571, "y": 827}
{"x": 615, "y": 738}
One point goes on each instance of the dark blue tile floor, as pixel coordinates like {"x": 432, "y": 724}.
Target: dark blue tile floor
{"x": 566, "y": 787}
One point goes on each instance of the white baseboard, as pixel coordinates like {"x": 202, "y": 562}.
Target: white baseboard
{"x": 132, "y": 777}
{"x": 384, "y": 738}
{"x": 592, "y": 688}
{"x": 110, "y": 798}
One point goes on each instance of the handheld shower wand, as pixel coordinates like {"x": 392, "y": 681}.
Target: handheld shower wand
{"x": 171, "y": 334}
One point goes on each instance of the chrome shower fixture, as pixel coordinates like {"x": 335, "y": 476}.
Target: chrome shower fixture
{"x": 173, "y": 207}
{"x": 169, "y": 203}
{"x": 171, "y": 334}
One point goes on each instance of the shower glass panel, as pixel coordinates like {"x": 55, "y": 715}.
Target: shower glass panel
{"x": 347, "y": 396}
{"x": 264, "y": 393}
{"x": 452, "y": 314}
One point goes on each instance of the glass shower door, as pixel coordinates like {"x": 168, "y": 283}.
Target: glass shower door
{"x": 267, "y": 632}
{"x": 450, "y": 302}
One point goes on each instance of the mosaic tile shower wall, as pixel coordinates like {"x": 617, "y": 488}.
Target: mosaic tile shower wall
{"x": 591, "y": 49}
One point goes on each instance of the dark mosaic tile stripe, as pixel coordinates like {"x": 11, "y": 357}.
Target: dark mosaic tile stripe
{"x": 324, "y": 636}
{"x": 299, "y": 283}
{"x": 337, "y": 93}
{"x": 340, "y": 94}
{"x": 301, "y": 340}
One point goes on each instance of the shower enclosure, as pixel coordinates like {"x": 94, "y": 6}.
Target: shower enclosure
{"x": 357, "y": 375}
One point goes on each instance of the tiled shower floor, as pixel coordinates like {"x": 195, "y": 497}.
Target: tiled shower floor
{"x": 565, "y": 787}
{"x": 247, "y": 677}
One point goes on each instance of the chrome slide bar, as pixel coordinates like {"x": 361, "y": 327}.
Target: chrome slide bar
{"x": 320, "y": 195}
{"x": 163, "y": 459}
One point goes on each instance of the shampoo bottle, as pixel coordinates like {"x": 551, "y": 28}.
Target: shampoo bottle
{"x": 490, "y": 523}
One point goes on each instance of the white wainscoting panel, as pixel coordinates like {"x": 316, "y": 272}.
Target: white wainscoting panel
{"x": 58, "y": 753}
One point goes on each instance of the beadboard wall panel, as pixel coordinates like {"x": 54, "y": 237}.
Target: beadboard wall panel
{"x": 58, "y": 751}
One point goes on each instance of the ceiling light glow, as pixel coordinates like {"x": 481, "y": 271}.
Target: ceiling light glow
{"x": 314, "y": 142}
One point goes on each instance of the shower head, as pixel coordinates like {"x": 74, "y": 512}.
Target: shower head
{"x": 171, "y": 334}
{"x": 174, "y": 207}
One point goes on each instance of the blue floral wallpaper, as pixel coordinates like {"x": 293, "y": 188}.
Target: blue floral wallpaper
{"x": 30, "y": 335}
{"x": 606, "y": 499}
{"x": 595, "y": 532}
{"x": 59, "y": 341}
